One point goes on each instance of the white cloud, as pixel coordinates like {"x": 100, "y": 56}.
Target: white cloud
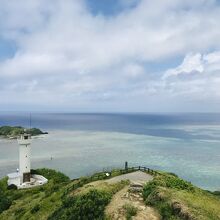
{"x": 192, "y": 63}
{"x": 212, "y": 61}
{"x": 196, "y": 79}
{"x": 64, "y": 49}
{"x": 196, "y": 63}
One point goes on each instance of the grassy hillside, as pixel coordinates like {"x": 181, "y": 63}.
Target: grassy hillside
{"x": 36, "y": 203}
{"x": 178, "y": 199}
{"x": 57, "y": 199}
{"x": 85, "y": 199}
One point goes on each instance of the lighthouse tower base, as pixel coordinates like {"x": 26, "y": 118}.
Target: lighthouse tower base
{"x": 35, "y": 180}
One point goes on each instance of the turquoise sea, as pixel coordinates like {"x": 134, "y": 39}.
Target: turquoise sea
{"x": 80, "y": 144}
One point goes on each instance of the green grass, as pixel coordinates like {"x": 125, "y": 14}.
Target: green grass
{"x": 178, "y": 199}
{"x": 130, "y": 211}
{"x": 87, "y": 202}
{"x": 36, "y": 203}
{"x": 90, "y": 205}
{"x": 201, "y": 204}
{"x": 56, "y": 198}
{"x": 64, "y": 199}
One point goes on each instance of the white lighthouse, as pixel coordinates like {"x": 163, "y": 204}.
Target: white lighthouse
{"x": 24, "y": 142}
{"x": 23, "y": 177}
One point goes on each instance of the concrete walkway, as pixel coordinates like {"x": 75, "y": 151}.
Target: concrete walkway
{"x": 134, "y": 177}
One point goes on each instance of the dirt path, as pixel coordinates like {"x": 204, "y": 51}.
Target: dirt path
{"x": 115, "y": 210}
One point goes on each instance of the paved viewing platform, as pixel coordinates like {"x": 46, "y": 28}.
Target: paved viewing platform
{"x": 134, "y": 177}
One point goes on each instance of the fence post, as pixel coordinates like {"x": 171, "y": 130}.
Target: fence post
{"x": 126, "y": 165}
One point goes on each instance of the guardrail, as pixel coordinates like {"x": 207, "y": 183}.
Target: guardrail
{"x": 141, "y": 168}
{"x": 79, "y": 182}
{"x": 108, "y": 174}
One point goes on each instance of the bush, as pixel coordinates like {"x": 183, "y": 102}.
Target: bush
{"x": 177, "y": 183}
{"x": 50, "y": 174}
{"x": 165, "y": 210}
{"x": 16, "y": 195}
{"x": 51, "y": 188}
{"x": 12, "y": 186}
{"x": 171, "y": 181}
{"x": 130, "y": 211}
{"x": 173, "y": 174}
{"x": 153, "y": 196}
{"x": 35, "y": 209}
{"x": 5, "y": 201}
{"x": 217, "y": 193}
{"x": 168, "y": 181}
{"x": 148, "y": 189}
{"x": 19, "y": 212}
{"x": 87, "y": 206}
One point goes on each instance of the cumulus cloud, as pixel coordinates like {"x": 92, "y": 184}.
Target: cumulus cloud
{"x": 196, "y": 79}
{"x": 196, "y": 63}
{"x": 191, "y": 63}
{"x": 66, "y": 53}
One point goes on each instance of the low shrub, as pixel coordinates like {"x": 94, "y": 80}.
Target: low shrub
{"x": 177, "y": 183}
{"x": 12, "y": 186}
{"x": 19, "y": 211}
{"x": 86, "y": 206}
{"x": 50, "y": 188}
{"x": 173, "y": 174}
{"x": 148, "y": 189}
{"x": 154, "y": 193}
{"x": 170, "y": 181}
{"x": 216, "y": 193}
{"x": 50, "y": 174}
{"x": 130, "y": 211}
{"x": 5, "y": 201}
{"x": 35, "y": 209}
{"x": 16, "y": 195}
{"x": 166, "y": 211}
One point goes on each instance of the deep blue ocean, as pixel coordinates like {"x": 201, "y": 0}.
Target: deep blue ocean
{"x": 187, "y": 144}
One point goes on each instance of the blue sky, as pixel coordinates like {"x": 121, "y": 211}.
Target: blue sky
{"x": 110, "y": 8}
{"x": 110, "y": 55}
{"x": 7, "y": 49}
